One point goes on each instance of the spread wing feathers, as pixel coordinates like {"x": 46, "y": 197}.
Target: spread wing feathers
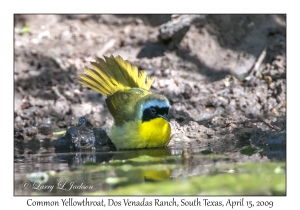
{"x": 113, "y": 74}
{"x": 121, "y": 105}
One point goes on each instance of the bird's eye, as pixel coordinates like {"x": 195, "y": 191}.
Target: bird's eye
{"x": 152, "y": 109}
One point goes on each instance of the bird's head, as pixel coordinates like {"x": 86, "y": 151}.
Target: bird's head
{"x": 153, "y": 106}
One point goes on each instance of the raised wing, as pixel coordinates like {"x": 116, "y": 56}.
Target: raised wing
{"x": 114, "y": 74}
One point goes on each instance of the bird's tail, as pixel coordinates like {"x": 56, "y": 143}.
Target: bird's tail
{"x": 113, "y": 74}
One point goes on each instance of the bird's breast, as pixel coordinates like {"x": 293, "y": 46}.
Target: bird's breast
{"x": 155, "y": 132}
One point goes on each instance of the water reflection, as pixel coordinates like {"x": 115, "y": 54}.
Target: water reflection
{"x": 105, "y": 170}
{"x": 108, "y": 170}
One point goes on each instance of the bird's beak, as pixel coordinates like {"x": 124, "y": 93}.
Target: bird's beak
{"x": 165, "y": 116}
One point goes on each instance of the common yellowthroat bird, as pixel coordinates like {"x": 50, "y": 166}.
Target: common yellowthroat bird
{"x": 140, "y": 117}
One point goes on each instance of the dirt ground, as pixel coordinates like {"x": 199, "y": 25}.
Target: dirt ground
{"x": 219, "y": 98}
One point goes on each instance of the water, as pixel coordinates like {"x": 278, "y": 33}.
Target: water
{"x": 159, "y": 171}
